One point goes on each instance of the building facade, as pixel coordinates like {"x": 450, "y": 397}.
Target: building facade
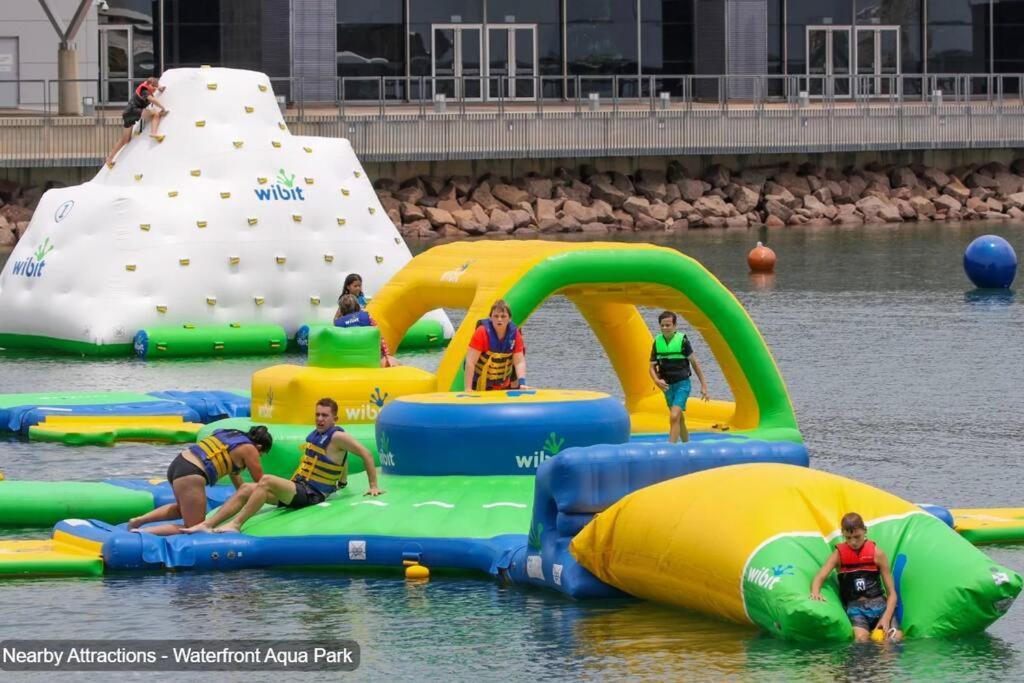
{"x": 483, "y": 50}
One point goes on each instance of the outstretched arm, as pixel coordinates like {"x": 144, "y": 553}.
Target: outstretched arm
{"x": 347, "y": 442}
{"x": 891, "y": 599}
{"x": 819, "y": 579}
{"x": 519, "y": 363}
{"x": 700, "y": 376}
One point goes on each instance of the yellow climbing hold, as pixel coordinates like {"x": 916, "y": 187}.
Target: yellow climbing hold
{"x": 328, "y": 258}
{"x": 309, "y": 181}
{"x": 280, "y": 260}
{"x": 253, "y": 220}
{"x": 344, "y": 192}
{"x": 280, "y": 124}
{"x": 158, "y": 138}
{"x": 144, "y": 227}
{"x": 211, "y": 301}
{"x": 200, "y": 224}
{"x": 183, "y": 262}
{"x": 261, "y": 181}
{"x": 372, "y": 210}
{"x": 195, "y": 173}
{"x": 315, "y": 300}
{"x": 341, "y": 221}
{"x": 259, "y": 300}
{"x": 138, "y": 177}
{"x": 234, "y": 260}
{"x": 276, "y": 143}
{"x": 172, "y": 193}
{"x": 309, "y": 150}
{"x": 379, "y": 259}
{"x": 398, "y": 240}
{"x": 358, "y": 174}
{"x": 200, "y": 123}
{"x": 160, "y": 308}
{"x": 249, "y": 109}
{"x": 205, "y": 66}
{"x": 297, "y": 217}
{"x": 211, "y": 86}
{"x": 130, "y": 267}
{"x": 238, "y": 143}
{"x": 225, "y": 195}
{"x": 262, "y": 87}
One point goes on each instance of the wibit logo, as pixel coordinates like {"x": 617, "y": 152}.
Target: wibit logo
{"x": 283, "y": 190}
{"x": 384, "y": 451}
{"x": 552, "y": 446}
{"x": 34, "y": 264}
{"x": 533, "y": 540}
{"x": 454, "y": 275}
{"x": 371, "y": 410}
{"x": 266, "y": 410}
{"x": 767, "y": 577}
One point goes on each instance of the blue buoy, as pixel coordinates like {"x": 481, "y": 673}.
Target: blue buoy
{"x": 990, "y": 262}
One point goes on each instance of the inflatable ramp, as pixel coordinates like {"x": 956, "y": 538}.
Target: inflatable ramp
{"x": 65, "y": 554}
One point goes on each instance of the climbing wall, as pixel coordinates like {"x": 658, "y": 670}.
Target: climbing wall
{"x": 229, "y": 218}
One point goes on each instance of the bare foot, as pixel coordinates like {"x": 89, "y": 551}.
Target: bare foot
{"x": 133, "y": 524}
{"x": 201, "y": 528}
{"x": 227, "y": 529}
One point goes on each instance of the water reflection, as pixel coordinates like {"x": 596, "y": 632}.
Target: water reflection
{"x": 989, "y": 297}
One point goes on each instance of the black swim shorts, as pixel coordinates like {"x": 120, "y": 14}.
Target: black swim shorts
{"x": 305, "y": 495}
{"x": 180, "y": 467}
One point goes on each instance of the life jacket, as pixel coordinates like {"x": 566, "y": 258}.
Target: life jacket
{"x": 318, "y": 470}
{"x": 139, "y": 100}
{"x": 670, "y": 354}
{"x": 495, "y": 369}
{"x": 859, "y": 576}
{"x": 214, "y": 452}
{"x": 357, "y": 319}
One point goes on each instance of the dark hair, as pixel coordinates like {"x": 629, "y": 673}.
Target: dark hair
{"x": 349, "y": 279}
{"x": 329, "y": 403}
{"x": 851, "y": 522}
{"x": 501, "y": 305}
{"x": 261, "y": 438}
{"x": 667, "y": 314}
{"x": 348, "y": 303}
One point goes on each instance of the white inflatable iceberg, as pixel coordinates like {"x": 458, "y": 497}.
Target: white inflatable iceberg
{"x": 230, "y": 219}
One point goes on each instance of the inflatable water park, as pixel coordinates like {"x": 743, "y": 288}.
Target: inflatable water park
{"x": 557, "y": 488}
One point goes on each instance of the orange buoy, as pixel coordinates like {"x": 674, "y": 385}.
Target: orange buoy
{"x": 761, "y": 259}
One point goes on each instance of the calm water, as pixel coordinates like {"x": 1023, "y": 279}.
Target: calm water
{"x": 900, "y": 376}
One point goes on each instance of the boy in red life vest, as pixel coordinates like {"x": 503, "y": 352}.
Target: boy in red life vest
{"x": 863, "y": 569}
{"x": 496, "y": 358}
{"x": 139, "y": 108}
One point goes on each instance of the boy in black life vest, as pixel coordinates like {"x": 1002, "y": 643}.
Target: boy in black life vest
{"x": 863, "y": 569}
{"x": 671, "y": 358}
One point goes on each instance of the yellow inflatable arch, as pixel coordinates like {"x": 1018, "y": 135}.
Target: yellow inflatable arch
{"x": 606, "y": 282}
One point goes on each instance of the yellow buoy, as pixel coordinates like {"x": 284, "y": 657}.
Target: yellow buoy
{"x": 878, "y": 635}
{"x": 417, "y": 571}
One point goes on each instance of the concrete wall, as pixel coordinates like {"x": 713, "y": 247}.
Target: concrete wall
{"x": 37, "y": 44}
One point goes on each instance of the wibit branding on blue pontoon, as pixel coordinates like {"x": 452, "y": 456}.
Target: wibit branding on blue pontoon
{"x": 387, "y": 459}
{"x": 283, "y": 190}
{"x": 550, "y": 449}
{"x": 34, "y": 264}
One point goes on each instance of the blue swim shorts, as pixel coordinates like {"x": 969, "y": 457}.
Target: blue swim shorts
{"x": 677, "y": 393}
{"x": 865, "y": 612}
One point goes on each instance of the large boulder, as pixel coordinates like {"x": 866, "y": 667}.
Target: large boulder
{"x": 1008, "y": 183}
{"x": 509, "y": 195}
{"x": 745, "y": 199}
{"x": 482, "y": 195}
{"x": 539, "y": 188}
{"x": 411, "y": 212}
{"x": 7, "y": 237}
{"x": 797, "y": 185}
{"x": 692, "y": 190}
{"x": 439, "y": 217}
{"x": 922, "y": 206}
{"x": 947, "y": 204}
{"x": 776, "y": 208}
{"x": 713, "y": 206}
{"x": 520, "y": 218}
{"x": 980, "y": 180}
{"x": 876, "y": 210}
{"x": 582, "y": 214}
{"x": 646, "y": 223}
{"x": 902, "y": 176}
{"x": 603, "y": 189}
{"x": 546, "y": 209}
{"x": 636, "y": 206}
{"x": 500, "y": 221}
{"x": 575, "y": 190}
{"x": 1014, "y": 201}
{"x": 935, "y": 177}
{"x": 717, "y": 176}
{"x": 955, "y": 189}
{"x": 412, "y": 193}
{"x": 781, "y": 194}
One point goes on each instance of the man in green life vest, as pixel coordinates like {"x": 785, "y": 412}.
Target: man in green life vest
{"x": 671, "y": 358}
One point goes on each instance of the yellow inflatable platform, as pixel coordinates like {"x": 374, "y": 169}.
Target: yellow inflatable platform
{"x": 62, "y": 555}
{"x": 105, "y": 430}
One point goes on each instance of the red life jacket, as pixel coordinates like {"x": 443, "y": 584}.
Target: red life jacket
{"x": 859, "y": 576}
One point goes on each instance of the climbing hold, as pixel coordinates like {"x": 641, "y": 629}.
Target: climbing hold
{"x": 110, "y": 164}
{"x": 195, "y": 173}
{"x": 238, "y": 143}
{"x": 262, "y": 87}
{"x": 379, "y": 259}
{"x": 200, "y": 123}
{"x": 158, "y": 138}
{"x": 297, "y": 218}
{"x": 358, "y": 174}
{"x": 183, "y": 262}
{"x": 189, "y": 326}
{"x": 372, "y": 210}
{"x": 761, "y": 259}
{"x": 280, "y": 124}
{"x": 258, "y": 300}
{"x": 261, "y": 181}
{"x": 253, "y": 221}
{"x": 130, "y": 267}
{"x": 315, "y": 300}
{"x": 280, "y": 260}
{"x": 276, "y": 144}
{"x": 328, "y": 258}
{"x": 309, "y": 150}
{"x": 211, "y": 301}
{"x": 249, "y": 109}
{"x": 309, "y": 181}
{"x": 234, "y": 260}
{"x": 160, "y": 308}
{"x": 205, "y": 66}
{"x": 172, "y": 193}
{"x": 398, "y": 240}
{"x": 225, "y": 195}
{"x": 341, "y": 221}
{"x": 344, "y": 192}
{"x": 144, "y": 227}
{"x": 200, "y": 224}
{"x": 138, "y": 177}
{"x": 211, "y": 86}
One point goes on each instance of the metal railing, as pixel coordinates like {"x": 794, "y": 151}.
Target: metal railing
{"x": 399, "y": 119}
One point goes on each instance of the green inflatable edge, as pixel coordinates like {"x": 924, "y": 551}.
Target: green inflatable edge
{"x": 974, "y": 590}
{"x": 344, "y": 347}
{"x": 182, "y": 341}
{"x": 111, "y": 436}
{"x": 40, "y": 504}
{"x": 708, "y": 294}
{"x": 65, "y": 566}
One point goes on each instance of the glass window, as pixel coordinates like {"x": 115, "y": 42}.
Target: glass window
{"x": 222, "y": 32}
{"x": 803, "y": 13}
{"x": 601, "y": 40}
{"x": 371, "y": 45}
{"x": 1008, "y": 28}
{"x": 546, "y": 14}
{"x": 958, "y": 36}
{"x": 903, "y": 13}
{"x": 424, "y": 13}
{"x": 775, "y": 33}
{"x": 666, "y": 36}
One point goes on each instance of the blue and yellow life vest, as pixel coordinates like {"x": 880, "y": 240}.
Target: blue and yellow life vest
{"x": 495, "y": 369}
{"x": 357, "y": 319}
{"x": 318, "y": 470}
{"x": 214, "y": 452}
